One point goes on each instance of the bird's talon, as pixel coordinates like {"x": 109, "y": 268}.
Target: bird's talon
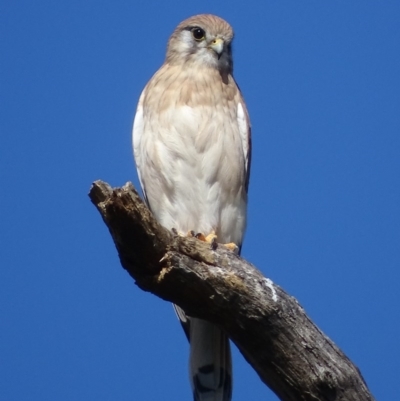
{"x": 214, "y": 243}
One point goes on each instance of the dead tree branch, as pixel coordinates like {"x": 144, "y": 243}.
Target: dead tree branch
{"x": 289, "y": 353}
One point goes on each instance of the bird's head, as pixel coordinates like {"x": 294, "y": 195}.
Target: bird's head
{"x": 204, "y": 39}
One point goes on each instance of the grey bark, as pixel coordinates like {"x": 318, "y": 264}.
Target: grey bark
{"x": 290, "y": 354}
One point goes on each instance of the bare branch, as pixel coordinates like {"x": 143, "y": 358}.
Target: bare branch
{"x": 290, "y": 354}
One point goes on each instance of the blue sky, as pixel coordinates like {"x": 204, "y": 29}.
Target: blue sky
{"x": 322, "y": 85}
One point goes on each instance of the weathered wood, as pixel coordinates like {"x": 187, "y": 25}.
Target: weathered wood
{"x": 290, "y": 354}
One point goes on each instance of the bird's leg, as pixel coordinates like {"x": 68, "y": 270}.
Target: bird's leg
{"x": 210, "y": 238}
{"x": 232, "y": 247}
{"x": 201, "y": 237}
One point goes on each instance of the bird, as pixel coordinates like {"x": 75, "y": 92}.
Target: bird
{"x": 192, "y": 148}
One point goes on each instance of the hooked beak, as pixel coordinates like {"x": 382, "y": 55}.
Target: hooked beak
{"x": 218, "y": 46}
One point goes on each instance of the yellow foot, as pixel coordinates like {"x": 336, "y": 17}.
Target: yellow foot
{"x": 210, "y": 238}
{"x": 232, "y": 247}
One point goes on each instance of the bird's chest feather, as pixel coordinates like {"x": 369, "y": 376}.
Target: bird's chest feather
{"x": 198, "y": 145}
{"x": 195, "y": 164}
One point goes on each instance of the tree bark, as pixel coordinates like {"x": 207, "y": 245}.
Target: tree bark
{"x": 290, "y": 354}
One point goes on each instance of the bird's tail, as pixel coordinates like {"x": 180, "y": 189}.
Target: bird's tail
{"x": 210, "y": 362}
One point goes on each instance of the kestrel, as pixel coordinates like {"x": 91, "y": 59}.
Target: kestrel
{"x": 192, "y": 146}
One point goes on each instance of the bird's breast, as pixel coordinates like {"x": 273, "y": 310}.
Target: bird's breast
{"x": 194, "y": 168}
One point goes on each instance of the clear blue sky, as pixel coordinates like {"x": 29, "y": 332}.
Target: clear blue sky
{"x": 322, "y": 84}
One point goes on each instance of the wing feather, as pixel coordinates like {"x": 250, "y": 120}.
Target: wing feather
{"x": 245, "y": 135}
{"x": 137, "y": 131}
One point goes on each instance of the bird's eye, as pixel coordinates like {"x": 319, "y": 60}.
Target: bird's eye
{"x": 198, "y": 33}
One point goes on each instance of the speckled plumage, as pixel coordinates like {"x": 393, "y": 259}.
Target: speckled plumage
{"x": 191, "y": 140}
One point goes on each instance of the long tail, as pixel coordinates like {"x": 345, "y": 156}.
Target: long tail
{"x": 210, "y": 362}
